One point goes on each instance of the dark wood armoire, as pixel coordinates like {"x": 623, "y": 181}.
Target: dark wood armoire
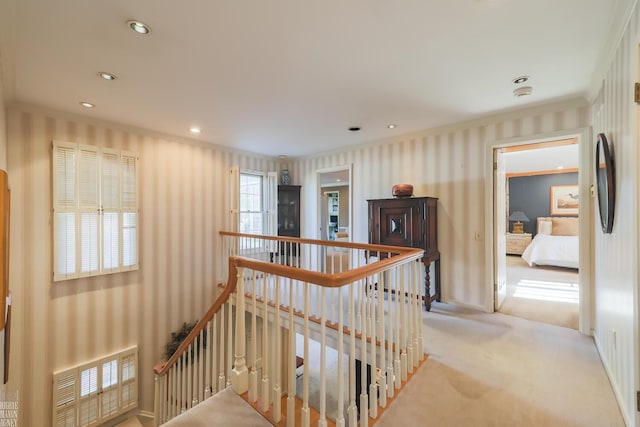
{"x": 409, "y": 222}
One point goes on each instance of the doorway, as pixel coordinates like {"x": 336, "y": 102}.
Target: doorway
{"x": 522, "y": 196}
{"x": 334, "y": 196}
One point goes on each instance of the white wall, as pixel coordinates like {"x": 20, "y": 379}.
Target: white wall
{"x": 183, "y": 204}
{"x": 616, "y": 254}
{"x": 448, "y": 163}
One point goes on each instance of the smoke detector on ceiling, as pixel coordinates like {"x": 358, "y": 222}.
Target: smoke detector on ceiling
{"x": 522, "y": 91}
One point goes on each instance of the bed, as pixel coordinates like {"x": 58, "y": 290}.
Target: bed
{"x": 556, "y": 243}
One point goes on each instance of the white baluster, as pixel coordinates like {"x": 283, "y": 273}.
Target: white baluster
{"x": 397, "y": 366}
{"x": 264, "y": 403}
{"x": 230, "y": 348}
{"x": 391, "y": 339}
{"x": 221, "y": 372}
{"x": 364, "y": 397}
{"x": 189, "y": 375}
{"x": 322, "y": 422}
{"x": 291, "y": 388}
{"x": 207, "y": 362}
{"x": 304, "y": 412}
{"x": 340, "y": 417}
{"x": 373, "y": 387}
{"x": 253, "y": 377}
{"x": 277, "y": 391}
{"x": 403, "y": 323}
{"x": 352, "y": 410}
{"x": 382, "y": 386}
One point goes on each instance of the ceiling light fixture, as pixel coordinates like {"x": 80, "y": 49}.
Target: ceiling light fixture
{"x": 139, "y": 27}
{"x": 522, "y": 91}
{"x": 194, "y": 129}
{"x": 354, "y": 128}
{"x": 521, "y": 79}
{"x": 87, "y": 104}
{"x": 107, "y": 76}
{"x": 391, "y": 126}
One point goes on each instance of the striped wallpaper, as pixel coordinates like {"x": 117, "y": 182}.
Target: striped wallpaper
{"x": 616, "y": 254}
{"x": 448, "y": 163}
{"x": 183, "y": 204}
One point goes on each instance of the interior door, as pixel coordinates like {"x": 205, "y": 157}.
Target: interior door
{"x": 500, "y": 228}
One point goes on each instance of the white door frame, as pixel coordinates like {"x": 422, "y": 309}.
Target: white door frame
{"x": 585, "y": 182}
{"x": 319, "y": 195}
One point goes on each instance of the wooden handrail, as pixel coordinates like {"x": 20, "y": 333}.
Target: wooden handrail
{"x": 326, "y": 280}
{"x": 317, "y": 278}
{"x": 317, "y": 242}
{"x": 162, "y": 368}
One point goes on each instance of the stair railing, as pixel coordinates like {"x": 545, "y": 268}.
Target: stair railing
{"x": 288, "y": 301}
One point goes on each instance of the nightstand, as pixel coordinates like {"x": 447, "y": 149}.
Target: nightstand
{"x": 517, "y": 243}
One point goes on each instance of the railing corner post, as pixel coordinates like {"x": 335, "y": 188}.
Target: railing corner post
{"x": 240, "y": 373}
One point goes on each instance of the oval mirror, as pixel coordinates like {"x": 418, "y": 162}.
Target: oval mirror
{"x": 605, "y": 183}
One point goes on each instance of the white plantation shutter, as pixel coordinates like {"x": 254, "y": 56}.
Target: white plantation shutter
{"x": 65, "y": 201}
{"x": 272, "y": 203}
{"x": 94, "y": 392}
{"x": 95, "y": 207}
{"x": 128, "y": 380}
{"x": 64, "y": 399}
{"x": 89, "y": 204}
{"x": 109, "y": 398}
{"x": 110, "y": 192}
{"x": 234, "y": 198}
{"x": 129, "y": 205}
{"x": 88, "y": 411}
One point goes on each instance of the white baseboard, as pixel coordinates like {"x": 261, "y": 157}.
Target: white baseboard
{"x": 146, "y": 414}
{"x": 465, "y": 305}
{"x": 616, "y": 390}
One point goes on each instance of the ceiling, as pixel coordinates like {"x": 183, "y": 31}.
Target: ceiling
{"x": 542, "y": 159}
{"x": 285, "y": 77}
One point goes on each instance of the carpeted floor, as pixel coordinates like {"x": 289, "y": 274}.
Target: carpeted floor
{"x": 544, "y": 294}
{"x": 497, "y": 370}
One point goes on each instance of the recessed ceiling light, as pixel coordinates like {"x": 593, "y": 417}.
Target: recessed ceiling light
{"x": 560, "y": 167}
{"x": 521, "y": 79}
{"x": 282, "y": 156}
{"x": 522, "y": 91}
{"x": 139, "y": 27}
{"x": 338, "y": 180}
{"x": 194, "y": 129}
{"x": 87, "y": 104}
{"x": 107, "y": 76}
{"x": 354, "y": 128}
{"x": 391, "y": 126}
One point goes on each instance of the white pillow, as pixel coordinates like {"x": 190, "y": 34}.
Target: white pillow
{"x": 545, "y": 227}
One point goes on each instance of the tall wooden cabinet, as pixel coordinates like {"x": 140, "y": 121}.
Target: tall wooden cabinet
{"x": 410, "y": 222}
{"x": 289, "y": 210}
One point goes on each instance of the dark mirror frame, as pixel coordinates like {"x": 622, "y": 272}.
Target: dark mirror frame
{"x": 605, "y": 183}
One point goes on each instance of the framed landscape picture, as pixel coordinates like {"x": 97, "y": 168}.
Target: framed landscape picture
{"x": 564, "y": 200}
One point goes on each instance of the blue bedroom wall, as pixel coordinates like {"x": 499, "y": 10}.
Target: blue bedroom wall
{"x": 531, "y": 194}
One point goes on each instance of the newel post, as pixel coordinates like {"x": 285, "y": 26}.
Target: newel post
{"x": 240, "y": 373}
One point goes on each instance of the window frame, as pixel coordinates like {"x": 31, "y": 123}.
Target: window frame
{"x": 78, "y": 207}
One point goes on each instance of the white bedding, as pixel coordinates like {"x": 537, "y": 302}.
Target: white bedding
{"x": 560, "y": 251}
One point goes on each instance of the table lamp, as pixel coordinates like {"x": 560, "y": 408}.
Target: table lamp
{"x": 519, "y": 217}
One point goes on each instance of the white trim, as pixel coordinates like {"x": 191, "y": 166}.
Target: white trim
{"x": 319, "y": 192}
{"x": 614, "y": 385}
{"x": 585, "y": 180}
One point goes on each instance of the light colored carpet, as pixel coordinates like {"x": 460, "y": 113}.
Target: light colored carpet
{"x": 497, "y": 370}
{"x": 544, "y": 294}
{"x": 225, "y": 408}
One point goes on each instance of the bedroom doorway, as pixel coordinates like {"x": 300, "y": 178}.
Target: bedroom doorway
{"x": 531, "y": 181}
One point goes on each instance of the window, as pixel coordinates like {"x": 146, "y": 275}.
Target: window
{"x": 95, "y": 211}
{"x": 107, "y": 388}
{"x": 251, "y": 204}
{"x": 254, "y": 199}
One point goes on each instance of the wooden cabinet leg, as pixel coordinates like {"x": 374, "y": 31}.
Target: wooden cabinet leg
{"x": 427, "y": 287}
